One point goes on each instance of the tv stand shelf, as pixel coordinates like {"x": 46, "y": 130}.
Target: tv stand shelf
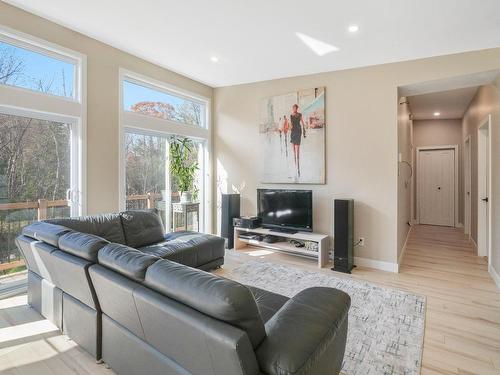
{"x": 322, "y": 255}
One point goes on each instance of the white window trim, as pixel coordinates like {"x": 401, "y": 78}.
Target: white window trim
{"x": 43, "y": 47}
{"x": 163, "y": 127}
{"x": 150, "y": 83}
{"x": 20, "y": 101}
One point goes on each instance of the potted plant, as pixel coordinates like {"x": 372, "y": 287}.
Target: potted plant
{"x": 184, "y": 167}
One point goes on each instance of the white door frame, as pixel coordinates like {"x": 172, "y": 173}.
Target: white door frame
{"x": 484, "y": 188}
{"x": 455, "y": 178}
{"x": 467, "y": 186}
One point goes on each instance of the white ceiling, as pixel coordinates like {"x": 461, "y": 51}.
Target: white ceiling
{"x": 450, "y": 104}
{"x": 264, "y": 39}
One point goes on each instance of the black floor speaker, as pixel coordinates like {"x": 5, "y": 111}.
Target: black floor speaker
{"x": 343, "y": 253}
{"x": 229, "y": 210}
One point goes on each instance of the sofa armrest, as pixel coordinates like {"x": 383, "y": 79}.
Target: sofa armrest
{"x": 307, "y": 335}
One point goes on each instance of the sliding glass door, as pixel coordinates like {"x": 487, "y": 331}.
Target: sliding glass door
{"x": 152, "y": 179}
{"x": 165, "y": 144}
{"x": 36, "y": 181}
{"x": 42, "y": 128}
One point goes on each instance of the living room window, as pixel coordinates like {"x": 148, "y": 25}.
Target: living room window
{"x": 162, "y": 102}
{"x": 42, "y": 118}
{"x": 161, "y": 123}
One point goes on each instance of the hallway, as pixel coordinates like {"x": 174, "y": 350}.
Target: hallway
{"x": 462, "y": 333}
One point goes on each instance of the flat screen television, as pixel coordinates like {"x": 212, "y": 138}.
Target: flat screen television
{"x": 285, "y": 210}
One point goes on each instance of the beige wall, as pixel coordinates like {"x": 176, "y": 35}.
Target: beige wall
{"x": 405, "y": 140}
{"x": 486, "y": 101}
{"x": 361, "y": 140}
{"x": 103, "y": 63}
{"x": 442, "y": 133}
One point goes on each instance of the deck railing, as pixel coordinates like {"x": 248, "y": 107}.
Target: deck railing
{"x": 14, "y": 216}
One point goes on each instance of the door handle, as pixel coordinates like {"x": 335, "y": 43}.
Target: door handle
{"x": 485, "y": 199}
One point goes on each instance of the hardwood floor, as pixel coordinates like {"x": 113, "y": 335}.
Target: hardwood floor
{"x": 462, "y": 334}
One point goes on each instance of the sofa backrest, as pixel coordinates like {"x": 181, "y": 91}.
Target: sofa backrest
{"x": 82, "y": 245}
{"x": 46, "y": 232}
{"x": 201, "y": 339}
{"x": 135, "y": 228}
{"x": 142, "y": 227}
{"x": 220, "y": 298}
{"x": 62, "y": 256}
{"x": 126, "y": 260}
{"x": 107, "y": 226}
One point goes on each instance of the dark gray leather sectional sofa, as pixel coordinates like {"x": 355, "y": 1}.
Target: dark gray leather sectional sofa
{"x": 143, "y": 314}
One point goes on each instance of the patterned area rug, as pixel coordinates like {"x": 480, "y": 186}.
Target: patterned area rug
{"x": 386, "y": 326}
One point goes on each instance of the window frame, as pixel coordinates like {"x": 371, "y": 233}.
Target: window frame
{"x": 20, "y": 101}
{"x": 168, "y": 89}
{"x": 42, "y": 47}
{"x": 144, "y": 124}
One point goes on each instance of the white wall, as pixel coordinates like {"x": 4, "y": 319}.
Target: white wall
{"x": 361, "y": 141}
{"x": 405, "y": 173}
{"x": 485, "y": 102}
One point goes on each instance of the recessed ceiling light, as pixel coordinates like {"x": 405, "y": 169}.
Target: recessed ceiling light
{"x": 319, "y": 47}
{"x": 437, "y": 114}
{"x": 214, "y": 59}
{"x": 353, "y": 28}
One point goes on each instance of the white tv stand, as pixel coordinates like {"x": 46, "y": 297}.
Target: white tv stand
{"x": 321, "y": 239}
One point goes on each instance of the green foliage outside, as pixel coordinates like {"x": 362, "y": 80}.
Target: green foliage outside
{"x": 183, "y": 166}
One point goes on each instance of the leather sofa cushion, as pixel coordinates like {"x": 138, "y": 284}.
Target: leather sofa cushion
{"x": 189, "y": 248}
{"x": 107, "y": 226}
{"x": 45, "y": 232}
{"x": 268, "y": 302}
{"x": 142, "y": 227}
{"x": 220, "y": 298}
{"x": 125, "y": 260}
{"x": 82, "y": 245}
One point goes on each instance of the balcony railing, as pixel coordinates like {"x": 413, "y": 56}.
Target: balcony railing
{"x": 14, "y": 216}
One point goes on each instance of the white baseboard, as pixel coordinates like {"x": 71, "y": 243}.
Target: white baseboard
{"x": 494, "y": 275}
{"x": 459, "y": 225}
{"x": 377, "y": 264}
{"x": 404, "y": 248}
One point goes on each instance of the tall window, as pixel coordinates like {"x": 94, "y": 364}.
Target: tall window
{"x": 165, "y": 143}
{"x": 41, "y": 138}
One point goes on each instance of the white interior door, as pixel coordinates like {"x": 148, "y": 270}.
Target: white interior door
{"x": 437, "y": 187}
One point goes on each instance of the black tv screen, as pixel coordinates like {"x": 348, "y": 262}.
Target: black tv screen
{"x": 286, "y": 209}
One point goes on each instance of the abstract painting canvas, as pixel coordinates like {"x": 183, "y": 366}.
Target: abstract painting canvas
{"x": 292, "y": 136}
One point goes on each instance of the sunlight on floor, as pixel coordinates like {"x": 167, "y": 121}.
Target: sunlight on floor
{"x": 13, "y": 302}
{"x": 25, "y": 330}
{"x": 259, "y": 253}
{"x": 28, "y": 355}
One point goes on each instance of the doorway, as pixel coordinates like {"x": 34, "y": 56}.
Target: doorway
{"x": 484, "y": 188}
{"x": 437, "y": 186}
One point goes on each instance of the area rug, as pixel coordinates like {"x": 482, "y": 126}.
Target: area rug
{"x": 386, "y": 326}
